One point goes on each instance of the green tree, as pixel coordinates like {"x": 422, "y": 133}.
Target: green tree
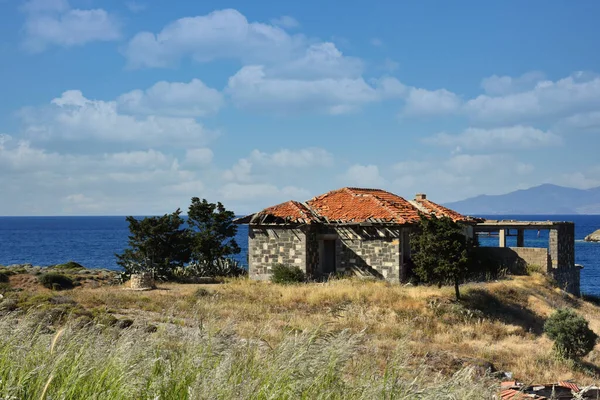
{"x": 213, "y": 232}
{"x": 156, "y": 244}
{"x": 441, "y": 251}
{"x": 571, "y": 334}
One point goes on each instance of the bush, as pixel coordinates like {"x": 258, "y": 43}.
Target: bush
{"x": 572, "y": 337}
{"x": 284, "y": 274}
{"x": 3, "y": 277}
{"x": 70, "y": 265}
{"x": 56, "y": 281}
{"x": 221, "y": 267}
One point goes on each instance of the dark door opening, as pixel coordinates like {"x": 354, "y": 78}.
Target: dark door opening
{"x": 328, "y": 257}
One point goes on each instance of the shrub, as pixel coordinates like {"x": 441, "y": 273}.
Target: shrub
{"x": 3, "y": 277}
{"x": 284, "y": 274}
{"x": 70, "y": 265}
{"x": 572, "y": 337}
{"x": 56, "y": 281}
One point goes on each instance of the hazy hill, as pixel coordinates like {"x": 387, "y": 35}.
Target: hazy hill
{"x": 543, "y": 199}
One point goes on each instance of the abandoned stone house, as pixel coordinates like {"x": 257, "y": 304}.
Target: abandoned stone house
{"x": 364, "y": 231}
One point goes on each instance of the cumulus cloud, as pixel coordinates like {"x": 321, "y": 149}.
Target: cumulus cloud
{"x": 237, "y": 191}
{"x": 74, "y": 117}
{"x": 177, "y": 99}
{"x": 53, "y": 22}
{"x": 363, "y": 175}
{"x": 258, "y": 163}
{"x": 199, "y": 157}
{"x": 220, "y": 34}
{"x": 286, "y": 22}
{"x": 514, "y": 137}
{"x": 431, "y": 102}
{"x": 302, "y": 158}
{"x": 502, "y": 85}
{"x": 550, "y": 100}
{"x": 251, "y": 89}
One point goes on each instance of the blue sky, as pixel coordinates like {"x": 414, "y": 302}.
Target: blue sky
{"x": 133, "y": 107}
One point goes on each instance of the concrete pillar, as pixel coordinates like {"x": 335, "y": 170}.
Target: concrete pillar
{"x": 502, "y": 238}
{"x": 520, "y": 238}
{"x": 562, "y": 246}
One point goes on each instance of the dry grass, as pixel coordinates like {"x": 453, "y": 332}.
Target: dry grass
{"x": 498, "y": 322}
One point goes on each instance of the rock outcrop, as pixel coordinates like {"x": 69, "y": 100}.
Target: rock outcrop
{"x": 593, "y": 237}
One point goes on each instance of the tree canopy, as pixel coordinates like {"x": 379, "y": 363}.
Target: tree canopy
{"x": 213, "y": 231}
{"x": 163, "y": 245}
{"x": 441, "y": 251}
{"x": 156, "y": 244}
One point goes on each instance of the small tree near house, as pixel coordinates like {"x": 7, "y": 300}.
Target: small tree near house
{"x": 156, "y": 244}
{"x": 441, "y": 251}
{"x": 213, "y": 231}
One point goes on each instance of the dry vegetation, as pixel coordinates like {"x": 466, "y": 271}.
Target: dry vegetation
{"x": 388, "y": 329}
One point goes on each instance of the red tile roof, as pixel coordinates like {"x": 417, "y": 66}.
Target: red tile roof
{"x": 351, "y": 205}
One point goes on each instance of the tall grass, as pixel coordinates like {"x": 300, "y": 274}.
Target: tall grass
{"x": 96, "y": 362}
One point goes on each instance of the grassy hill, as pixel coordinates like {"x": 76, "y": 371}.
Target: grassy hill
{"x": 244, "y": 339}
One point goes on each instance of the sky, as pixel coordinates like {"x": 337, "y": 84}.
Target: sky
{"x": 133, "y": 107}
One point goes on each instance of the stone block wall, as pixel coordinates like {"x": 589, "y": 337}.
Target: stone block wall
{"x": 562, "y": 253}
{"x": 268, "y": 246}
{"x": 533, "y": 256}
{"x": 369, "y": 252}
{"x": 568, "y": 279}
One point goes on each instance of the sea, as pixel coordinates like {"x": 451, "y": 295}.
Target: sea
{"x": 93, "y": 241}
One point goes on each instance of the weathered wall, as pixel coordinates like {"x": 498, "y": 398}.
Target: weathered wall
{"x": 516, "y": 259}
{"x": 568, "y": 279}
{"x": 562, "y": 252}
{"x": 369, "y": 252}
{"x": 270, "y": 246}
{"x": 533, "y": 256}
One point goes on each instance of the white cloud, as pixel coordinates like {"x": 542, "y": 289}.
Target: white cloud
{"x": 319, "y": 61}
{"x": 590, "y": 178}
{"x": 303, "y": 158}
{"x": 199, "y": 157}
{"x": 74, "y": 117}
{"x": 53, "y": 22}
{"x": 250, "y": 88}
{"x": 502, "y": 85}
{"x": 431, "y": 102}
{"x": 237, "y": 191}
{"x": 177, "y": 99}
{"x": 549, "y": 100}
{"x": 259, "y": 164}
{"x": 514, "y": 137}
{"x": 144, "y": 159}
{"x": 220, "y": 34}
{"x": 286, "y": 22}
{"x": 363, "y": 175}
{"x": 581, "y": 122}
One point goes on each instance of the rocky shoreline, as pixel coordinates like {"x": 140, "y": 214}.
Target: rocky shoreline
{"x": 593, "y": 237}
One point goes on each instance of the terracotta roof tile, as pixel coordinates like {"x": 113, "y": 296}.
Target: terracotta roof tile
{"x": 351, "y": 205}
{"x": 440, "y": 210}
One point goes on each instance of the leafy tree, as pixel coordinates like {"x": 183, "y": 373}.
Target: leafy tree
{"x": 213, "y": 231}
{"x": 441, "y": 251}
{"x": 571, "y": 334}
{"x": 156, "y": 244}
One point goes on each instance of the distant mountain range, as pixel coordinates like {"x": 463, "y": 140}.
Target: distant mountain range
{"x": 543, "y": 199}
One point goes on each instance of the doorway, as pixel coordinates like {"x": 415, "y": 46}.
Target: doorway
{"x": 328, "y": 265}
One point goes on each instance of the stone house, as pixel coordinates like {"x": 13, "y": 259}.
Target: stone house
{"x": 364, "y": 231}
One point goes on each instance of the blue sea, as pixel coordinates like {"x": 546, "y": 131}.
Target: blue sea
{"x": 93, "y": 241}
